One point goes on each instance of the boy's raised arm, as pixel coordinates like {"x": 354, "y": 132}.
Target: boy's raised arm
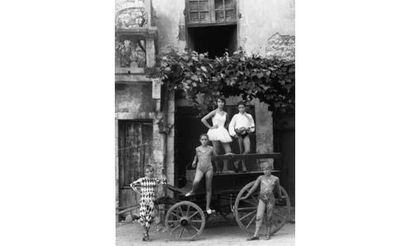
{"x": 254, "y": 187}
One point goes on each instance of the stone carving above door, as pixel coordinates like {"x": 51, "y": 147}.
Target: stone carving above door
{"x": 131, "y": 14}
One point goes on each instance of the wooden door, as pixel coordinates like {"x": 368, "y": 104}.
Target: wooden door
{"x": 134, "y": 149}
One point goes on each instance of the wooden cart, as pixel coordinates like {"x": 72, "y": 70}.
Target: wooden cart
{"x": 186, "y": 220}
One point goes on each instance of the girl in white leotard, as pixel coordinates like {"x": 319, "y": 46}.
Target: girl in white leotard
{"x": 217, "y": 133}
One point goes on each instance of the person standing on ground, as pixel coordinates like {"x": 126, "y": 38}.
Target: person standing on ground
{"x": 146, "y": 187}
{"x": 269, "y": 185}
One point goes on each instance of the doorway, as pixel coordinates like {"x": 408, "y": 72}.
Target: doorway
{"x": 134, "y": 152}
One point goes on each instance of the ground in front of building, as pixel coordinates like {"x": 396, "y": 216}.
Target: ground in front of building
{"x": 217, "y": 233}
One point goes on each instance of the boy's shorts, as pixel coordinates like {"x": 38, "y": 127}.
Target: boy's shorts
{"x": 241, "y": 132}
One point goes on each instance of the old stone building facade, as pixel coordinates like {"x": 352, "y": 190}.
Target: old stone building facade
{"x": 147, "y": 117}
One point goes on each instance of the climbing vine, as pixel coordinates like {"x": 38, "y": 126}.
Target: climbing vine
{"x": 271, "y": 80}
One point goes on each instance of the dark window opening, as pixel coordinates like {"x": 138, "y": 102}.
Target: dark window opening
{"x": 213, "y": 39}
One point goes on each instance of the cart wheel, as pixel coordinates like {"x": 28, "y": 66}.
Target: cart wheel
{"x": 245, "y": 211}
{"x": 185, "y": 220}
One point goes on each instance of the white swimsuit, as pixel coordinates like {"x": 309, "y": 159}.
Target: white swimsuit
{"x": 220, "y": 133}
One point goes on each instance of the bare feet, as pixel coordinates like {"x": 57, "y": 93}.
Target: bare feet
{"x": 267, "y": 237}
{"x": 210, "y": 211}
{"x": 253, "y": 238}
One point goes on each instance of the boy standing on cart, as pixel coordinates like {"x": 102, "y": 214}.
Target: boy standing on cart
{"x": 240, "y": 126}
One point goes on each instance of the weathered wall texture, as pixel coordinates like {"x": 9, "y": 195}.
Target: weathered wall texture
{"x": 170, "y": 22}
{"x": 133, "y": 101}
{"x": 260, "y": 19}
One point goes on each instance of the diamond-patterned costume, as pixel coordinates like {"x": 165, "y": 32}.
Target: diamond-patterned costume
{"x": 147, "y": 187}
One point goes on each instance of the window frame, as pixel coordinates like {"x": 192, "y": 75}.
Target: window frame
{"x": 212, "y": 14}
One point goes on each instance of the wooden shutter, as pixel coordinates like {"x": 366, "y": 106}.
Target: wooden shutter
{"x": 225, "y": 11}
{"x": 211, "y": 11}
{"x": 199, "y": 11}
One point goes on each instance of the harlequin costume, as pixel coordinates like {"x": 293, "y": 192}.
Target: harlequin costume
{"x": 147, "y": 186}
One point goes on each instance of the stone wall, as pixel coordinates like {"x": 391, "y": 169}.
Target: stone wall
{"x": 260, "y": 19}
{"x": 170, "y": 21}
{"x": 133, "y": 101}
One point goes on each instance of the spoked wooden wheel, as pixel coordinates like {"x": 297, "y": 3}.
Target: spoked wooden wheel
{"x": 185, "y": 220}
{"x": 245, "y": 211}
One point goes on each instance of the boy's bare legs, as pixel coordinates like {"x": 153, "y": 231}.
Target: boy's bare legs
{"x": 259, "y": 216}
{"x": 208, "y": 178}
{"x": 240, "y": 142}
{"x": 259, "y": 219}
{"x": 244, "y": 148}
{"x": 247, "y": 146}
{"x": 197, "y": 180}
{"x": 269, "y": 220}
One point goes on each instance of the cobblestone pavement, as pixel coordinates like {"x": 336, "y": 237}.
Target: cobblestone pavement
{"x": 221, "y": 232}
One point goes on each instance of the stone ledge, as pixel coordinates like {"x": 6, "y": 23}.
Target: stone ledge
{"x": 132, "y": 78}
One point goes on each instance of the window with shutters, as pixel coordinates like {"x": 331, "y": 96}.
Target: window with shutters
{"x": 209, "y": 12}
{"x": 225, "y": 11}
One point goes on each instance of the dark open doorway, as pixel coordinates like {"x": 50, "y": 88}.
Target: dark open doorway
{"x": 213, "y": 39}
